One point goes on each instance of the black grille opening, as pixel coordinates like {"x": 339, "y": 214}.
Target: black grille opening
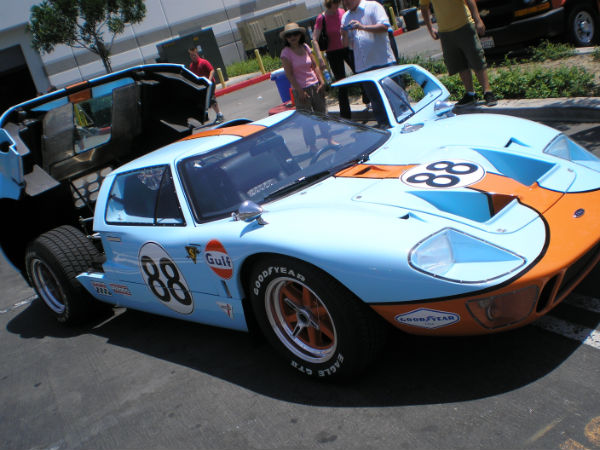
{"x": 581, "y": 265}
{"x": 546, "y": 295}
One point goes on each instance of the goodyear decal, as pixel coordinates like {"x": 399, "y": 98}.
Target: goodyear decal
{"x": 218, "y": 260}
{"x": 427, "y": 318}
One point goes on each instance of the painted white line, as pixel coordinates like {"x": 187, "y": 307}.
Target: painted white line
{"x": 25, "y": 302}
{"x": 584, "y": 302}
{"x": 570, "y": 330}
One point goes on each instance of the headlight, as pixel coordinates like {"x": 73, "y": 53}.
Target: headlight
{"x": 456, "y": 256}
{"x": 564, "y": 148}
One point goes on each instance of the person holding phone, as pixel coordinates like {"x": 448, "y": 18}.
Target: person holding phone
{"x": 365, "y": 30}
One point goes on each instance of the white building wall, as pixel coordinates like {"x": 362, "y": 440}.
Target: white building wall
{"x": 165, "y": 20}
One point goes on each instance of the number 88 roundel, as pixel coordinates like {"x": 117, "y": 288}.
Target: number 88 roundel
{"x": 164, "y": 279}
{"x": 443, "y": 175}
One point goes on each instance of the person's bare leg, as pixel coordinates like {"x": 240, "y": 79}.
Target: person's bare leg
{"x": 467, "y": 79}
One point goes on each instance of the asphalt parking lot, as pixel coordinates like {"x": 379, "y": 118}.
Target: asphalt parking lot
{"x": 135, "y": 380}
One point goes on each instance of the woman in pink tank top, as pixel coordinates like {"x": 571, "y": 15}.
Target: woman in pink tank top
{"x": 304, "y": 75}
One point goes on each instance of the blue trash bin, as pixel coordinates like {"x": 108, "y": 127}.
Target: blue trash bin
{"x": 283, "y": 85}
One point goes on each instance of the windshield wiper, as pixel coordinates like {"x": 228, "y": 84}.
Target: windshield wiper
{"x": 305, "y": 181}
{"x": 298, "y": 183}
{"x": 360, "y": 159}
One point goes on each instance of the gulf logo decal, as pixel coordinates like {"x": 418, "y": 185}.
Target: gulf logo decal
{"x": 218, "y": 260}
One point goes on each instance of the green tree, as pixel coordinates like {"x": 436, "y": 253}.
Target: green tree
{"x": 82, "y": 24}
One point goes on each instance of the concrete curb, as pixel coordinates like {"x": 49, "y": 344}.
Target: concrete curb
{"x": 578, "y": 109}
{"x": 243, "y": 83}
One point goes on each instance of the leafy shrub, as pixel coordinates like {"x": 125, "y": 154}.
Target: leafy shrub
{"x": 551, "y": 51}
{"x": 532, "y": 82}
{"x": 251, "y": 65}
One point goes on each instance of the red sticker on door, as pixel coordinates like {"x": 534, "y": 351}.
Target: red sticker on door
{"x": 218, "y": 260}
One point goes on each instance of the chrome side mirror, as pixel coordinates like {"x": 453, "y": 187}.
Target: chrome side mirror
{"x": 249, "y": 211}
{"x": 443, "y": 108}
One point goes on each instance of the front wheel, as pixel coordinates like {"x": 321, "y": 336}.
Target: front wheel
{"x": 317, "y": 324}
{"x": 582, "y": 25}
{"x": 53, "y": 260}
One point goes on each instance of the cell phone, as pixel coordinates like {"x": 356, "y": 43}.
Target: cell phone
{"x": 347, "y": 27}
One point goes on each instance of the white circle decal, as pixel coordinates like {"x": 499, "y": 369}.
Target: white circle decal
{"x": 163, "y": 278}
{"x": 443, "y": 174}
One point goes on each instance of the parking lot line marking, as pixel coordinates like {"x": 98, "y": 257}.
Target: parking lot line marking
{"x": 570, "y": 330}
{"x": 584, "y": 302}
{"x": 543, "y": 431}
{"x": 25, "y": 302}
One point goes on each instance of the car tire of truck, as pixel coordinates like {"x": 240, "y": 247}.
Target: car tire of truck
{"x": 320, "y": 327}
{"x": 582, "y": 24}
{"x": 53, "y": 261}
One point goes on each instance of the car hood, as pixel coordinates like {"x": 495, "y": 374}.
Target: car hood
{"x": 441, "y": 171}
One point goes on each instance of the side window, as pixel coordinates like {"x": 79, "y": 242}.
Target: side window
{"x": 144, "y": 197}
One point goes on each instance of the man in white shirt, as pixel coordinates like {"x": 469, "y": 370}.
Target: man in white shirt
{"x": 365, "y": 30}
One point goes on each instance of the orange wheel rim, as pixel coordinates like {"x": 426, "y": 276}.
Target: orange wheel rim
{"x": 300, "y": 320}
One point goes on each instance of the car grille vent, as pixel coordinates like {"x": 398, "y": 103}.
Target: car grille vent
{"x": 546, "y": 294}
{"x": 85, "y": 189}
{"x": 581, "y": 265}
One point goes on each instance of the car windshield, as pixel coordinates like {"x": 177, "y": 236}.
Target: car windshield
{"x": 273, "y": 162}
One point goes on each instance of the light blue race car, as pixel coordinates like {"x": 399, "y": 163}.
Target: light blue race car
{"x": 318, "y": 231}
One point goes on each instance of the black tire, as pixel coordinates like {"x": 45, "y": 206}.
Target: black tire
{"x": 53, "y": 260}
{"x": 312, "y": 320}
{"x": 582, "y": 25}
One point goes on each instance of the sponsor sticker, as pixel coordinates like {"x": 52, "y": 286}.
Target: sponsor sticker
{"x": 227, "y": 309}
{"x": 120, "y": 289}
{"x": 218, "y": 260}
{"x": 428, "y": 318}
{"x": 192, "y": 252}
{"x": 101, "y": 288}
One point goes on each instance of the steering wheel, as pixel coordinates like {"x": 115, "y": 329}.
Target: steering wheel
{"x": 327, "y": 148}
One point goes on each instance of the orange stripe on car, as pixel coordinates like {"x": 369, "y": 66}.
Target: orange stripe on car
{"x": 501, "y": 188}
{"x": 236, "y": 130}
{"x": 534, "y": 196}
{"x": 374, "y": 171}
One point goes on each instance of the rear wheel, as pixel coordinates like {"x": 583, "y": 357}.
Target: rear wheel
{"x": 582, "y": 24}
{"x": 317, "y": 324}
{"x": 53, "y": 261}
